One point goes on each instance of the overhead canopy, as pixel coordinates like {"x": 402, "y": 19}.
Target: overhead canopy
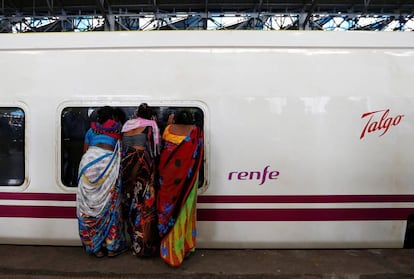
{"x": 124, "y": 14}
{"x": 72, "y": 7}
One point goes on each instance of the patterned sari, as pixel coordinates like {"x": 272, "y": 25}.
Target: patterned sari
{"x": 179, "y": 166}
{"x": 139, "y": 205}
{"x": 99, "y": 201}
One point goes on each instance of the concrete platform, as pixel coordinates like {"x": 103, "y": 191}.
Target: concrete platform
{"x": 73, "y": 262}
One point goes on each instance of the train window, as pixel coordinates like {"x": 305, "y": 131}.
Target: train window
{"x": 75, "y": 121}
{"x": 12, "y": 129}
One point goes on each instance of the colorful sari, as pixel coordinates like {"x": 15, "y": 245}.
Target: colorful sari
{"x": 139, "y": 204}
{"x": 179, "y": 166}
{"x": 99, "y": 201}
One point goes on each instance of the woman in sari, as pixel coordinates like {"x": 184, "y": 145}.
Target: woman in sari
{"x": 140, "y": 140}
{"x": 180, "y": 162}
{"x": 99, "y": 215}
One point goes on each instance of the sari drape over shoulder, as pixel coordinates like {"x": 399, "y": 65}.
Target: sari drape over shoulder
{"x": 99, "y": 200}
{"x": 179, "y": 166}
{"x": 154, "y": 138}
{"x": 139, "y": 204}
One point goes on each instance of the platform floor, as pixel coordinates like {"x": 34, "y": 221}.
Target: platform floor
{"x": 73, "y": 262}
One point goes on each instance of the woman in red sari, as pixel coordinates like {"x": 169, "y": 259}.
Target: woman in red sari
{"x": 180, "y": 161}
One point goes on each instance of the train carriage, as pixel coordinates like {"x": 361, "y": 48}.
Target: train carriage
{"x": 307, "y": 134}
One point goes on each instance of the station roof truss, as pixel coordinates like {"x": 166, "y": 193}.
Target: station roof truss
{"x": 115, "y": 15}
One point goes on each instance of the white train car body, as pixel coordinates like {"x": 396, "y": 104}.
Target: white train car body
{"x": 308, "y": 135}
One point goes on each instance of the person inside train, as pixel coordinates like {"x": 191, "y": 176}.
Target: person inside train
{"x": 120, "y": 115}
{"x": 74, "y": 126}
{"x": 6, "y": 136}
{"x": 180, "y": 161}
{"x": 101, "y": 226}
{"x": 140, "y": 140}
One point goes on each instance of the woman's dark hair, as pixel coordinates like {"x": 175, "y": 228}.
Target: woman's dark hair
{"x": 184, "y": 117}
{"x": 104, "y": 113}
{"x": 119, "y": 115}
{"x": 144, "y": 111}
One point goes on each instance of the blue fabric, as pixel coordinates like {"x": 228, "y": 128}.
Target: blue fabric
{"x": 107, "y": 229}
{"x": 93, "y": 139}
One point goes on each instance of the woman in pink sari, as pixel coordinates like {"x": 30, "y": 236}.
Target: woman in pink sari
{"x": 180, "y": 162}
{"x": 140, "y": 140}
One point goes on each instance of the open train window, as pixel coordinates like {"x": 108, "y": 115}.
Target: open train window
{"x": 12, "y": 164}
{"x": 75, "y": 121}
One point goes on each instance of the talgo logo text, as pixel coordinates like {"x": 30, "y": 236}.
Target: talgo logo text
{"x": 379, "y": 121}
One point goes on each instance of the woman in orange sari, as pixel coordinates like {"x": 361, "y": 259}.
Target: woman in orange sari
{"x": 180, "y": 162}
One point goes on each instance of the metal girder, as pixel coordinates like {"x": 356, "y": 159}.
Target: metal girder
{"x": 88, "y": 7}
{"x": 325, "y": 22}
{"x": 88, "y": 15}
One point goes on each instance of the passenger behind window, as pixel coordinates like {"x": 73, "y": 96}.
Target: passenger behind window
{"x": 6, "y": 137}
{"x": 74, "y": 127}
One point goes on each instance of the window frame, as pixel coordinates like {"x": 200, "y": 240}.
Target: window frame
{"x": 26, "y": 146}
{"x": 132, "y": 103}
